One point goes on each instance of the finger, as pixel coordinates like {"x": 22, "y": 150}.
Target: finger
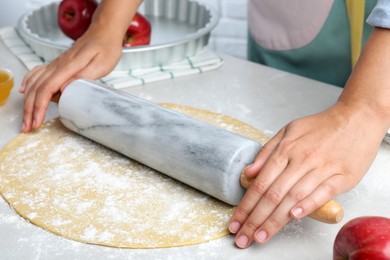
{"x": 297, "y": 181}
{"x": 46, "y": 91}
{"x": 46, "y": 78}
{"x": 271, "y": 170}
{"x": 298, "y": 188}
{"x": 30, "y": 78}
{"x": 324, "y": 192}
{"x": 65, "y": 68}
{"x": 41, "y": 103}
{"x": 45, "y": 87}
{"x": 280, "y": 216}
{"x": 274, "y": 199}
{"x": 263, "y": 222}
{"x": 28, "y": 111}
{"x": 274, "y": 223}
{"x": 32, "y": 111}
{"x": 252, "y": 170}
{"x": 26, "y": 77}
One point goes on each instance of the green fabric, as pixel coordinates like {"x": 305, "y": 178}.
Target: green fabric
{"x": 327, "y": 58}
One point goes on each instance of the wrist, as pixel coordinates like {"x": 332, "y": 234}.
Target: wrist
{"x": 373, "y": 104}
{"x": 364, "y": 114}
{"x": 115, "y": 15}
{"x": 367, "y": 90}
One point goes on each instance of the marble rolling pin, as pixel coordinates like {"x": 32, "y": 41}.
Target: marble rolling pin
{"x": 202, "y": 156}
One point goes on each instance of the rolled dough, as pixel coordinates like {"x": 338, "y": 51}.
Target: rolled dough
{"x": 82, "y": 191}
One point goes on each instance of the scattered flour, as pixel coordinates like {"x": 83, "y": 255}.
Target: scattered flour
{"x": 73, "y": 187}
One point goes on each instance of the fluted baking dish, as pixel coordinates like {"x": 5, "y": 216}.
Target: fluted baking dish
{"x": 180, "y": 28}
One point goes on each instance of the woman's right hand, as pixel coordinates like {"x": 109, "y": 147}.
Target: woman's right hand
{"x": 92, "y": 56}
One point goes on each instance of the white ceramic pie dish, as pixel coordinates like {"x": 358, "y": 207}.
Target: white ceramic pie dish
{"x": 180, "y": 28}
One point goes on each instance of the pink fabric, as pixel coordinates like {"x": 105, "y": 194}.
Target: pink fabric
{"x": 286, "y": 24}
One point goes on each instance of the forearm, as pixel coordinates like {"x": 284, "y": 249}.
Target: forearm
{"x": 368, "y": 88}
{"x": 114, "y": 16}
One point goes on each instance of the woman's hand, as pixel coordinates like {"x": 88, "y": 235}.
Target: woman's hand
{"x": 92, "y": 56}
{"x": 315, "y": 158}
{"x": 306, "y": 164}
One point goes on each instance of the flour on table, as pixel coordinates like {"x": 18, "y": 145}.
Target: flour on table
{"x": 80, "y": 190}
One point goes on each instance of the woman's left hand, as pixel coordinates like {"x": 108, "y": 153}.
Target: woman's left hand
{"x": 306, "y": 164}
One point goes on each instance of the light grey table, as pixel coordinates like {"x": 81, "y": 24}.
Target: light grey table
{"x": 263, "y": 97}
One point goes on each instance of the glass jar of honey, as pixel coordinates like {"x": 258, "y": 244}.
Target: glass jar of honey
{"x": 6, "y": 84}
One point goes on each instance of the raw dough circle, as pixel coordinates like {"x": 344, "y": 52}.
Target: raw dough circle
{"x": 80, "y": 190}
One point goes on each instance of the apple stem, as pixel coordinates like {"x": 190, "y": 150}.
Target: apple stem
{"x": 69, "y": 15}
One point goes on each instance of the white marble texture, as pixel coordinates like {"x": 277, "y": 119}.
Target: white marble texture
{"x": 203, "y": 156}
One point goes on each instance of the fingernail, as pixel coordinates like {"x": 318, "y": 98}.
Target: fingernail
{"x": 234, "y": 227}
{"x": 248, "y": 166}
{"x": 34, "y": 123}
{"x": 23, "y": 126}
{"x": 297, "y": 212}
{"x": 261, "y": 236}
{"x": 242, "y": 241}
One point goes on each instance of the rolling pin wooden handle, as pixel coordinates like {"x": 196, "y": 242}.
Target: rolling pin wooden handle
{"x": 331, "y": 212}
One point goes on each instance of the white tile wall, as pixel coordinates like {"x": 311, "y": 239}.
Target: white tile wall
{"x": 230, "y": 35}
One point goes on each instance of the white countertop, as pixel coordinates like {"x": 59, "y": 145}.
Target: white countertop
{"x": 263, "y": 97}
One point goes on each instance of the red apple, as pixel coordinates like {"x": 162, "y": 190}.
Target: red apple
{"x": 74, "y": 16}
{"x": 363, "y": 238}
{"x": 139, "y": 32}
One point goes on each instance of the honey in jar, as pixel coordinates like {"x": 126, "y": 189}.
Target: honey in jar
{"x": 6, "y": 84}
